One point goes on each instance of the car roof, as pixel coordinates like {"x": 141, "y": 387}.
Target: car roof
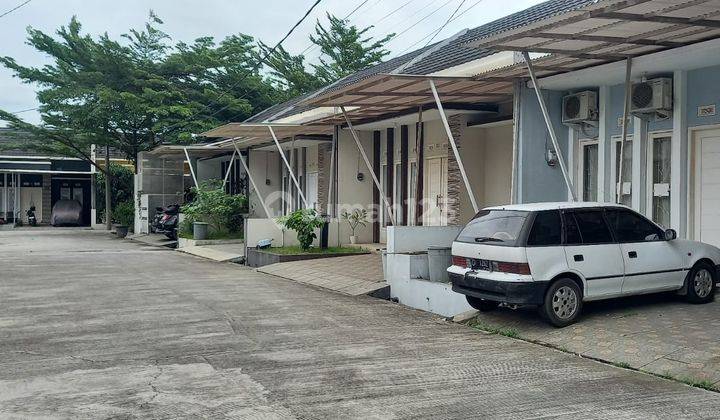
{"x": 552, "y": 206}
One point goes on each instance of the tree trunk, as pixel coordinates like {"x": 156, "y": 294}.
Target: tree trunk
{"x": 108, "y": 190}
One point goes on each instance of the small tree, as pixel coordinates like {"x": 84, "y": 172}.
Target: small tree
{"x": 357, "y": 217}
{"x": 304, "y": 222}
{"x": 215, "y": 207}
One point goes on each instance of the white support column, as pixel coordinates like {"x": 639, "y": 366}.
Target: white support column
{"x": 573, "y": 153}
{"x": 451, "y": 139}
{"x": 383, "y": 196}
{"x": 551, "y": 129}
{"x": 639, "y": 186}
{"x": 679, "y": 163}
{"x": 227, "y": 174}
{"x": 330, "y": 206}
{"x": 626, "y": 114}
{"x": 514, "y": 177}
{"x": 287, "y": 165}
{"x": 604, "y": 148}
{"x": 268, "y": 215}
{"x": 192, "y": 170}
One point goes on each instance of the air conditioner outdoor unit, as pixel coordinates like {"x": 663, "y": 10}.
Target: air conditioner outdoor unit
{"x": 580, "y": 108}
{"x": 652, "y": 96}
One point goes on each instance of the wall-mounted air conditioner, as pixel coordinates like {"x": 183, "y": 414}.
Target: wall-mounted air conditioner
{"x": 580, "y": 108}
{"x": 652, "y": 96}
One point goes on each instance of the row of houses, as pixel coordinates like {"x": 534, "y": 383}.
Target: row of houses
{"x": 527, "y": 108}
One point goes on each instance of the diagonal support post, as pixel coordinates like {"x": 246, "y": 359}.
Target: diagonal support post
{"x": 551, "y": 129}
{"x": 230, "y": 166}
{"x": 456, "y": 152}
{"x": 287, "y": 165}
{"x": 391, "y": 214}
{"x": 192, "y": 170}
{"x": 252, "y": 181}
{"x": 623, "y": 139}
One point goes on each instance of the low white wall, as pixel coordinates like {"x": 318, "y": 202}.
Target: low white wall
{"x": 407, "y": 286}
{"x": 406, "y": 239}
{"x": 257, "y": 229}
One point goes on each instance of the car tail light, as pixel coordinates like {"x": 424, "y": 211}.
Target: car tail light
{"x": 514, "y": 268}
{"x": 460, "y": 261}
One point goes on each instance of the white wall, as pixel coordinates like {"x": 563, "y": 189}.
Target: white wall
{"x": 265, "y": 165}
{"x": 352, "y": 192}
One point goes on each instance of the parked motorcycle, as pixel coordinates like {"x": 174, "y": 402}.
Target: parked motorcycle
{"x": 32, "y": 220}
{"x": 166, "y": 221}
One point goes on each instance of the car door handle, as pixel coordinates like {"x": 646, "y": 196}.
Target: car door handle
{"x": 632, "y": 254}
{"x": 578, "y": 257}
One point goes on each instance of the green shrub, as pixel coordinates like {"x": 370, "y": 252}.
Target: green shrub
{"x": 121, "y": 185}
{"x": 304, "y": 222}
{"x": 212, "y": 205}
{"x": 124, "y": 213}
{"x": 357, "y": 217}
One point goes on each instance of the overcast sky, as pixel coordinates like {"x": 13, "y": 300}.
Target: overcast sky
{"x": 267, "y": 20}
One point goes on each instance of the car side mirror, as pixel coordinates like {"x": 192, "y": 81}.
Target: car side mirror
{"x": 670, "y": 234}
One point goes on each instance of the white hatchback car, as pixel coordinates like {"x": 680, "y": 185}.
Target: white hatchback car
{"x": 559, "y": 255}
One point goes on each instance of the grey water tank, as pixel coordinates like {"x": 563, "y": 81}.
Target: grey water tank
{"x": 439, "y": 259}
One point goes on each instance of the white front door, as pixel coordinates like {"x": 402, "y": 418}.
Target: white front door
{"x": 435, "y": 192}
{"x": 624, "y": 187}
{"x": 658, "y": 176}
{"x": 707, "y": 187}
{"x": 312, "y": 190}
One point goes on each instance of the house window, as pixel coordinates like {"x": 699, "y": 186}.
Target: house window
{"x": 588, "y": 173}
{"x": 659, "y": 154}
{"x": 624, "y": 187}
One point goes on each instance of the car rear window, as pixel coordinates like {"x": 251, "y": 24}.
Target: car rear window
{"x": 494, "y": 227}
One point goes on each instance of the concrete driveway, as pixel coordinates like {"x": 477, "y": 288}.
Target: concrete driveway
{"x": 95, "y": 327}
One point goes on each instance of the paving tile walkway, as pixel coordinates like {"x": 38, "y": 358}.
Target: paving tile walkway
{"x": 661, "y": 334}
{"x": 353, "y": 275}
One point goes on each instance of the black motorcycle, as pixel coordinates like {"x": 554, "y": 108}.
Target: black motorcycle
{"x": 32, "y": 220}
{"x": 166, "y": 221}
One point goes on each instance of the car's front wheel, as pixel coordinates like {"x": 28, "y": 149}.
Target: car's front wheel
{"x": 482, "y": 305}
{"x": 563, "y": 303}
{"x": 701, "y": 283}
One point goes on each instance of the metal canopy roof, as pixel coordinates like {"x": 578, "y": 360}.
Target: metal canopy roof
{"x": 387, "y": 94}
{"x": 247, "y": 135}
{"x": 606, "y": 31}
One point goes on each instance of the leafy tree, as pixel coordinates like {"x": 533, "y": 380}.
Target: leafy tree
{"x": 121, "y": 187}
{"x": 345, "y": 50}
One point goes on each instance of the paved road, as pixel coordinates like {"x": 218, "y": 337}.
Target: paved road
{"x": 95, "y": 327}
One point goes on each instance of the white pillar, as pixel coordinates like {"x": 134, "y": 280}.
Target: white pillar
{"x": 679, "y": 157}
{"x": 605, "y": 144}
{"x": 640, "y": 136}
{"x": 626, "y": 114}
{"x": 451, "y": 139}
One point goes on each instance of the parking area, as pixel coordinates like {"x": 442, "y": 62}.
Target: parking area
{"x": 96, "y": 327}
{"x": 661, "y": 334}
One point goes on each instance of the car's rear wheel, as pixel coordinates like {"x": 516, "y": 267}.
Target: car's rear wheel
{"x": 482, "y": 305}
{"x": 701, "y": 283}
{"x": 563, "y": 303}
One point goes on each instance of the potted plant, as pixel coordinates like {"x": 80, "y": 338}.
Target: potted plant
{"x": 213, "y": 212}
{"x": 357, "y": 217}
{"x": 124, "y": 215}
{"x": 304, "y": 222}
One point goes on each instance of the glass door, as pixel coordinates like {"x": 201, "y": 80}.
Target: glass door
{"x": 588, "y": 170}
{"x": 623, "y": 186}
{"x": 659, "y": 162}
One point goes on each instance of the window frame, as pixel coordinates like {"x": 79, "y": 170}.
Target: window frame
{"x": 641, "y": 216}
{"x": 527, "y": 229}
{"x": 572, "y": 211}
{"x": 649, "y": 173}
{"x": 582, "y": 145}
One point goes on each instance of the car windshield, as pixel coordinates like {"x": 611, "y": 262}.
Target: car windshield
{"x": 494, "y": 227}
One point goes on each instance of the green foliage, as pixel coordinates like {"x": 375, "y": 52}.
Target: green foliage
{"x": 357, "y": 217}
{"x": 136, "y": 91}
{"x": 304, "y": 222}
{"x": 212, "y": 205}
{"x": 124, "y": 213}
{"x": 121, "y": 187}
{"x": 344, "y": 48}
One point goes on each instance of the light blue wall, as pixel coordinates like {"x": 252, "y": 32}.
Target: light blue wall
{"x": 703, "y": 89}
{"x": 539, "y": 182}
